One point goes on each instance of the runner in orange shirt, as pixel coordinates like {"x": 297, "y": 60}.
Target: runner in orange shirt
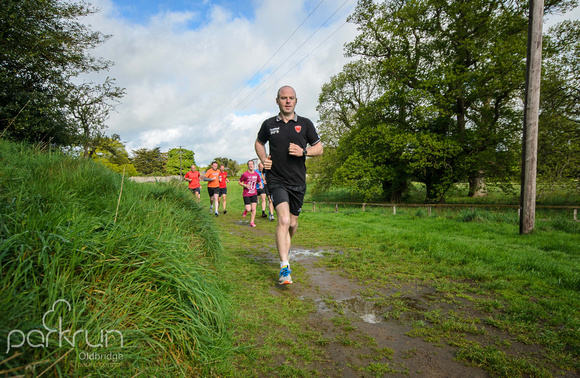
{"x": 213, "y": 186}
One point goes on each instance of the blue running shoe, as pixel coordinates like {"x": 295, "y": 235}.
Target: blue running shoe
{"x": 285, "y": 276}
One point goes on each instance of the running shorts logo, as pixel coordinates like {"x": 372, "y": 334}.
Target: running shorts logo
{"x": 297, "y": 128}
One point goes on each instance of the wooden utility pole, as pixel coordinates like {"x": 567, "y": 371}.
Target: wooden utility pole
{"x": 180, "y": 171}
{"x": 531, "y": 115}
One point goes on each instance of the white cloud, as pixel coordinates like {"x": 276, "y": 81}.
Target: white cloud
{"x": 183, "y": 75}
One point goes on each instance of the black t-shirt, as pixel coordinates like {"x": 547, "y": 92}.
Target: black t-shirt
{"x": 287, "y": 169}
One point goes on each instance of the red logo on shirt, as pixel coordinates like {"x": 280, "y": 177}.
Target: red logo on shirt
{"x": 297, "y": 128}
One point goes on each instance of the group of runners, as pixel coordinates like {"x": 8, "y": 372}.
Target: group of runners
{"x": 216, "y": 186}
{"x": 253, "y": 181}
{"x": 280, "y": 178}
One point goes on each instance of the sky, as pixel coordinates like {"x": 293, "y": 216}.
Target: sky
{"x": 203, "y": 74}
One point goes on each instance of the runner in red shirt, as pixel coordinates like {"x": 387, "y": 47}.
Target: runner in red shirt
{"x": 193, "y": 178}
{"x": 223, "y": 178}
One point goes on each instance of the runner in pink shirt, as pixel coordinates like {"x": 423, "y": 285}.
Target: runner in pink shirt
{"x": 249, "y": 180}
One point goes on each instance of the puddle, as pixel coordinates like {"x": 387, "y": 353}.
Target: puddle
{"x": 365, "y": 310}
{"x": 297, "y": 254}
{"x": 369, "y": 311}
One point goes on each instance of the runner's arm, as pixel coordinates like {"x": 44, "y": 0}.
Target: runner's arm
{"x": 296, "y": 150}
{"x": 261, "y": 152}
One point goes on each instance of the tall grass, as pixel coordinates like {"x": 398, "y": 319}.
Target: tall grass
{"x": 152, "y": 276}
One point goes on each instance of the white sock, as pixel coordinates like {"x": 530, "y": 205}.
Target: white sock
{"x": 284, "y": 263}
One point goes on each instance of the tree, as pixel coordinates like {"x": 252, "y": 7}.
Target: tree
{"x": 559, "y": 124}
{"x": 179, "y": 158}
{"x": 89, "y": 105}
{"x": 43, "y": 46}
{"x": 348, "y": 91}
{"x": 451, "y": 78}
{"x": 111, "y": 152}
{"x": 231, "y": 165}
{"x": 150, "y": 162}
{"x": 340, "y": 99}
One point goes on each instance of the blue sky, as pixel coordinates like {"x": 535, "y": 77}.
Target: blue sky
{"x": 140, "y": 11}
{"x": 186, "y": 65}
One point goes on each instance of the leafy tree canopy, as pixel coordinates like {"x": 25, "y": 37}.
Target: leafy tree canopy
{"x": 42, "y": 47}
{"x": 230, "y": 165}
{"x": 442, "y": 83}
{"x": 150, "y": 162}
{"x": 179, "y": 161}
{"x": 111, "y": 152}
{"x": 559, "y": 126}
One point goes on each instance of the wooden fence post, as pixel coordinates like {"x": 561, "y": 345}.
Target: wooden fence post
{"x": 336, "y": 207}
{"x": 394, "y": 210}
{"x": 575, "y": 214}
{"x": 313, "y": 206}
{"x": 363, "y": 207}
{"x": 429, "y": 210}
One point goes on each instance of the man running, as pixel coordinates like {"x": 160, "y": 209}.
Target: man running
{"x": 212, "y": 175}
{"x": 223, "y": 178}
{"x": 249, "y": 180}
{"x": 266, "y": 193}
{"x": 261, "y": 189}
{"x": 288, "y": 136}
{"x": 193, "y": 178}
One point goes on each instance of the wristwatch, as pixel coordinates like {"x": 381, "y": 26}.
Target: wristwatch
{"x": 304, "y": 152}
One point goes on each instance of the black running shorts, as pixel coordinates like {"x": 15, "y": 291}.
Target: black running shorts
{"x": 250, "y": 200}
{"x": 213, "y": 191}
{"x": 294, "y": 195}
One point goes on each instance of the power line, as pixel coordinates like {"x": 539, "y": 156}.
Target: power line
{"x": 264, "y": 65}
{"x": 272, "y": 73}
{"x": 299, "y": 47}
{"x": 267, "y": 89}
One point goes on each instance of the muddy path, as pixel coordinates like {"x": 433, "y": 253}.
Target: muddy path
{"x": 337, "y": 297}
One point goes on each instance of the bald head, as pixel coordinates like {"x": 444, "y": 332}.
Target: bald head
{"x": 285, "y": 89}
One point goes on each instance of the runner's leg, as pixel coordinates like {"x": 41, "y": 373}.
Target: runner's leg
{"x": 285, "y": 229}
{"x": 253, "y": 209}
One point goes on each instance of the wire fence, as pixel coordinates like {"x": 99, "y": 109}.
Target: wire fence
{"x": 429, "y": 208}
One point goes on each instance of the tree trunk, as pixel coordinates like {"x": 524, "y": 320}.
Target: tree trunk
{"x": 477, "y": 185}
{"x": 397, "y": 197}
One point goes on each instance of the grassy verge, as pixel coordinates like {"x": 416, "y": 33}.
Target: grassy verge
{"x": 95, "y": 292}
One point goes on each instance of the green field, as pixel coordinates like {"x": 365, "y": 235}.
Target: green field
{"x": 193, "y": 294}
{"x": 497, "y": 282}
